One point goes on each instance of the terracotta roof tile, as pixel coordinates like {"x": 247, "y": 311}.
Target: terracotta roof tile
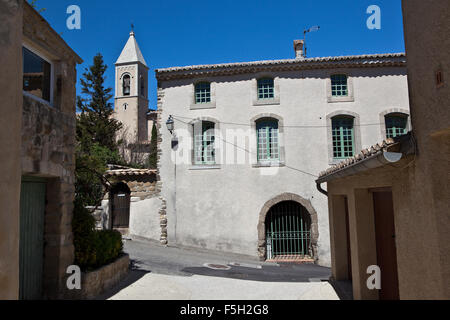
{"x": 364, "y": 154}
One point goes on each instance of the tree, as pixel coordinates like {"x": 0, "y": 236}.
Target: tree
{"x": 96, "y": 135}
{"x": 153, "y": 157}
{"x": 95, "y": 124}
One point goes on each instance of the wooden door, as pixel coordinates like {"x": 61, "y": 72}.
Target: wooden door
{"x": 385, "y": 242}
{"x": 31, "y": 252}
{"x": 121, "y": 210}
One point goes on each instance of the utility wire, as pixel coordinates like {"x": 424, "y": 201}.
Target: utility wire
{"x": 300, "y": 127}
{"x": 253, "y": 153}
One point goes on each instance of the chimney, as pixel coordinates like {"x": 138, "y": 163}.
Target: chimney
{"x": 298, "y": 47}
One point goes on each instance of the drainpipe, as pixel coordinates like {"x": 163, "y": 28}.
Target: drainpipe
{"x": 373, "y": 162}
{"x": 321, "y": 190}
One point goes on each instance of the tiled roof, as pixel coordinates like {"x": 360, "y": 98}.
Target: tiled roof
{"x": 363, "y": 155}
{"x": 131, "y": 52}
{"x": 370, "y": 60}
{"x": 125, "y": 171}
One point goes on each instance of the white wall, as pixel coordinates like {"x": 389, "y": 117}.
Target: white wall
{"x": 219, "y": 208}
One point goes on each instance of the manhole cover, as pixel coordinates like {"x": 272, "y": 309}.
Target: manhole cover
{"x": 216, "y": 266}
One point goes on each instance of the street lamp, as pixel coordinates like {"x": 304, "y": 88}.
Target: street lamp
{"x": 170, "y": 124}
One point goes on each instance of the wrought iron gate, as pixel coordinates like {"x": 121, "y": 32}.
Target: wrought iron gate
{"x": 31, "y": 252}
{"x": 121, "y": 210}
{"x": 288, "y": 231}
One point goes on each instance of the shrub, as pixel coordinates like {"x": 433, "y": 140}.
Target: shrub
{"x": 93, "y": 249}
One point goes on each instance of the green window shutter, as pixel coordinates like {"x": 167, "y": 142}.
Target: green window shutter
{"x": 204, "y": 143}
{"x": 339, "y": 85}
{"x": 266, "y": 89}
{"x": 202, "y": 92}
{"x": 268, "y": 141}
{"x": 396, "y": 126}
{"x": 343, "y": 137}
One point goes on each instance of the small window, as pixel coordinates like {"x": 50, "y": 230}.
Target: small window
{"x": 142, "y": 86}
{"x": 36, "y": 75}
{"x": 266, "y": 89}
{"x": 343, "y": 137}
{"x": 203, "y": 92}
{"x": 339, "y": 85}
{"x": 204, "y": 143}
{"x": 268, "y": 140}
{"x": 439, "y": 79}
{"x": 126, "y": 83}
{"x": 396, "y": 125}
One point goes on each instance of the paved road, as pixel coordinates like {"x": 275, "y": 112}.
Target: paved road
{"x": 192, "y": 274}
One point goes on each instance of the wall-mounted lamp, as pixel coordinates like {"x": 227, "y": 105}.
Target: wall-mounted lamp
{"x": 170, "y": 124}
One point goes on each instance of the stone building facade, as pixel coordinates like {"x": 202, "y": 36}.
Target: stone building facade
{"x": 249, "y": 139}
{"x": 133, "y": 205}
{"x": 47, "y": 158}
{"x": 405, "y": 180}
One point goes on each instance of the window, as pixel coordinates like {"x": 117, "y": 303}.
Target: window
{"x": 142, "y": 86}
{"x": 202, "y": 92}
{"x": 36, "y": 75}
{"x": 339, "y": 86}
{"x": 343, "y": 137}
{"x": 396, "y": 125}
{"x": 266, "y": 89}
{"x": 268, "y": 142}
{"x": 204, "y": 146}
{"x": 126, "y": 83}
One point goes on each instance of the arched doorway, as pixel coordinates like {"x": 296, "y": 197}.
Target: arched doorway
{"x": 288, "y": 229}
{"x": 120, "y": 206}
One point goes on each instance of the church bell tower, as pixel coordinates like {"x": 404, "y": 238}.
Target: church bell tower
{"x": 131, "y": 92}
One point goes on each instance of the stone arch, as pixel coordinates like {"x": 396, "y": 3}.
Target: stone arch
{"x": 281, "y": 198}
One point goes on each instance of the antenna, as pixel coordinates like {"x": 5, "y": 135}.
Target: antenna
{"x": 312, "y": 29}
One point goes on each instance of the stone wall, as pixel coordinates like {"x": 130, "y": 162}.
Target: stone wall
{"x": 48, "y": 146}
{"x": 10, "y": 140}
{"x": 147, "y": 208}
{"x": 99, "y": 281}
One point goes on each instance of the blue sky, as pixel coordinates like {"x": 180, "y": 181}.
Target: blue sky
{"x": 179, "y": 33}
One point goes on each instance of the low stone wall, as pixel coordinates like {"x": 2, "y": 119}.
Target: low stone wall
{"x": 99, "y": 281}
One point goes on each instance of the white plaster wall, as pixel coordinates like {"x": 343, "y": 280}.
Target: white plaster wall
{"x": 144, "y": 218}
{"x": 219, "y": 208}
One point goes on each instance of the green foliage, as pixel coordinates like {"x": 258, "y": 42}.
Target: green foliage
{"x": 95, "y": 123}
{"x": 96, "y": 135}
{"x": 83, "y": 228}
{"x": 152, "y": 159}
{"x": 96, "y": 148}
{"x": 33, "y": 4}
{"x": 93, "y": 249}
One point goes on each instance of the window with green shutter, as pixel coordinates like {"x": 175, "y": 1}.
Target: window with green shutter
{"x": 343, "y": 137}
{"x": 268, "y": 140}
{"x": 396, "y": 125}
{"x": 266, "y": 89}
{"x": 202, "y": 92}
{"x": 339, "y": 85}
{"x": 204, "y": 143}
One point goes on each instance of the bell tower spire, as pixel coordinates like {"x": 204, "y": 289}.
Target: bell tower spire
{"x": 131, "y": 91}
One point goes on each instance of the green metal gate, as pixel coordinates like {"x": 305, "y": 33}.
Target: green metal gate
{"x": 288, "y": 231}
{"x": 32, "y": 214}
